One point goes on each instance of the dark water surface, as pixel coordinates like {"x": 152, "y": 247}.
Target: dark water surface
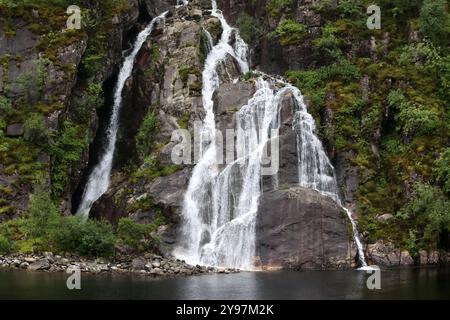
{"x": 412, "y": 283}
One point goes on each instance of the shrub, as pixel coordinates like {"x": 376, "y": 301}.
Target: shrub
{"x": 35, "y": 129}
{"x": 91, "y": 64}
{"x": 328, "y": 43}
{"x": 5, "y": 106}
{"x": 86, "y": 238}
{"x": 351, "y": 9}
{"x": 92, "y": 99}
{"x": 67, "y": 148}
{"x": 132, "y": 233}
{"x": 404, "y": 6}
{"x": 13, "y": 229}
{"x": 5, "y": 247}
{"x": 442, "y": 170}
{"x": 276, "y": 7}
{"x": 429, "y": 214}
{"x": 289, "y": 32}
{"x": 144, "y": 139}
{"x": 434, "y": 21}
{"x": 412, "y": 118}
{"x": 249, "y": 28}
{"x": 43, "y": 214}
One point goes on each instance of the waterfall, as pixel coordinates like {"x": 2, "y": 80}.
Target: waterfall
{"x": 220, "y": 206}
{"x": 99, "y": 179}
{"x": 315, "y": 170}
{"x": 209, "y": 231}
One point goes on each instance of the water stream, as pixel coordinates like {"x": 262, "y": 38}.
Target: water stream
{"x": 220, "y": 205}
{"x": 99, "y": 179}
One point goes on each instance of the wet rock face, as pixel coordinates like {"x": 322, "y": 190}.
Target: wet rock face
{"x": 168, "y": 192}
{"x": 156, "y": 7}
{"x": 166, "y": 81}
{"x": 22, "y": 45}
{"x": 301, "y": 229}
{"x": 267, "y": 54}
{"x": 228, "y": 99}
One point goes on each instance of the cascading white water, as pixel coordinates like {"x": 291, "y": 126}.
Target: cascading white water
{"x": 204, "y": 230}
{"x": 220, "y": 206}
{"x": 314, "y": 168}
{"x": 99, "y": 178}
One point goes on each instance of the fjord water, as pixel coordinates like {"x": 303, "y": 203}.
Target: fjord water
{"x": 220, "y": 205}
{"x": 409, "y": 283}
{"x": 99, "y": 178}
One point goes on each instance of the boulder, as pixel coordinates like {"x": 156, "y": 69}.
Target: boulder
{"x": 387, "y": 255}
{"x": 14, "y": 130}
{"x": 42, "y": 264}
{"x": 406, "y": 259}
{"x": 308, "y": 231}
{"x": 423, "y": 257}
{"x": 138, "y": 264}
{"x": 433, "y": 257}
{"x": 385, "y": 217}
{"x": 168, "y": 191}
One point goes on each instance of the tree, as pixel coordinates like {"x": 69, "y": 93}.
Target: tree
{"x": 43, "y": 214}
{"x": 429, "y": 213}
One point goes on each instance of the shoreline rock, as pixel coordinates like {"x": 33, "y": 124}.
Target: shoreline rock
{"x": 146, "y": 264}
{"x": 385, "y": 254}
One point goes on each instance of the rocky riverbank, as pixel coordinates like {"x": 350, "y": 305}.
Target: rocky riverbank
{"x": 147, "y": 264}
{"x": 385, "y": 254}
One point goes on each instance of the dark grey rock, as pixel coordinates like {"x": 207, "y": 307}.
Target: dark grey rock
{"x": 42, "y": 264}
{"x": 300, "y": 228}
{"x": 138, "y": 264}
{"x": 14, "y": 130}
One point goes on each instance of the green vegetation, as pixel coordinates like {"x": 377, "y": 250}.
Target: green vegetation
{"x": 45, "y": 228}
{"x": 388, "y": 106}
{"x": 6, "y": 107}
{"x": 328, "y": 44}
{"x": 427, "y": 217}
{"x": 35, "y": 129}
{"x": 435, "y": 21}
{"x": 67, "y": 147}
{"x": 136, "y": 235}
{"x": 183, "y": 121}
{"x": 5, "y": 247}
{"x": 276, "y": 7}
{"x": 144, "y": 137}
{"x": 91, "y": 100}
{"x": 43, "y": 215}
{"x": 250, "y": 29}
{"x": 86, "y": 238}
{"x": 151, "y": 169}
{"x": 442, "y": 171}
{"x": 289, "y": 32}
{"x": 412, "y": 119}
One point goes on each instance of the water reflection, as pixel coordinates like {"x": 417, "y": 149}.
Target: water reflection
{"x": 413, "y": 283}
